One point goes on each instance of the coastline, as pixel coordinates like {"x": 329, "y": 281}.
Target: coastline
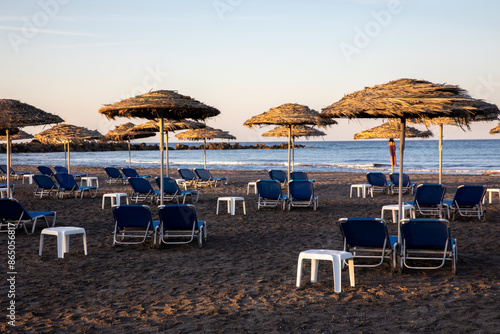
{"x": 243, "y": 279}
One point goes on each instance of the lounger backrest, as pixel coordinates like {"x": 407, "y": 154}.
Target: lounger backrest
{"x": 364, "y": 232}
{"x": 140, "y": 185}
{"x": 376, "y": 179}
{"x": 60, "y": 169}
{"x": 394, "y": 177}
{"x": 11, "y": 209}
{"x": 132, "y": 216}
{"x": 469, "y": 195}
{"x": 178, "y": 217}
{"x": 66, "y": 181}
{"x": 170, "y": 186}
{"x": 278, "y": 175}
{"x": 301, "y": 189}
{"x": 429, "y": 194}
{"x": 45, "y": 170}
{"x": 186, "y": 174}
{"x": 203, "y": 174}
{"x": 44, "y": 181}
{"x": 113, "y": 172}
{"x": 425, "y": 233}
{"x": 130, "y": 172}
{"x": 299, "y": 176}
{"x": 270, "y": 189}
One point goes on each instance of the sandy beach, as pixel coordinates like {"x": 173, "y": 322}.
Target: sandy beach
{"x": 243, "y": 279}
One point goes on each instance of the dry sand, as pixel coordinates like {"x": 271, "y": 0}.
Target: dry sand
{"x": 243, "y": 279}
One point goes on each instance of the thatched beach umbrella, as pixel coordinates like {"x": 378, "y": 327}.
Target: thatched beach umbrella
{"x": 495, "y": 130}
{"x": 409, "y": 99}
{"x": 15, "y": 115}
{"x": 125, "y": 132}
{"x": 289, "y": 115}
{"x": 66, "y": 134}
{"x": 205, "y": 133}
{"x": 159, "y": 105}
{"x": 441, "y": 121}
{"x": 390, "y": 130}
{"x": 297, "y": 131}
{"x": 21, "y": 135}
{"x": 169, "y": 125}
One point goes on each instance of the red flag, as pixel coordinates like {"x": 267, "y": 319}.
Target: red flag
{"x": 392, "y": 149}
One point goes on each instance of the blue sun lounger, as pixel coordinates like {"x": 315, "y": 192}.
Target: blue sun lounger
{"x": 172, "y": 191}
{"x": 179, "y": 224}
{"x": 14, "y": 216}
{"x": 134, "y": 224}
{"x": 467, "y": 202}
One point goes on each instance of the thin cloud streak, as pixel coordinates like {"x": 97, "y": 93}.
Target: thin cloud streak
{"x": 50, "y": 32}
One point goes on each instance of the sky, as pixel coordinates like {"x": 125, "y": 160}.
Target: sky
{"x": 244, "y": 57}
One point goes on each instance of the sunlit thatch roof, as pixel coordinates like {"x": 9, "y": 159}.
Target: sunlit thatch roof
{"x": 297, "y": 131}
{"x": 125, "y": 132}
{"x": 64, "y": 133}
{"x": 169, "y": 125}
{"x": 289, "y": 114}
{"x": 15, "y": 114}
{"x": 410, "y": 98}
{"x": 205, "y": 133}
{"x": 159, "y": 104}
{"x": 390, "y": 130}
{"x": 495, "y": 129}
{"x": 20, "y": 135}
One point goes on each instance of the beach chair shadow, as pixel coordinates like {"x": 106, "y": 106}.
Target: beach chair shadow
{"x": 467, "y": 202}
{"x": 142, "y": 190}
{"x": 45, "y": 185}
{"x": 172, "y": 191}
{"x": 14, "y": 216}
{"x": 378, "y": 182}
{"x": 68, "y": 186}
{"x": 428, "y": 200}
{"x": 424, "y": 240}
{"x": 113, "y": 175}
{"x": 179, "y": 224}
{"x": 270, "y": 194}
{"x": 301, "y": 194}
{"x": 368, "y": 238}
{"x": 134, "y": 225}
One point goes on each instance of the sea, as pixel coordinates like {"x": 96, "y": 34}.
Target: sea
{"x": 420, "y": 156}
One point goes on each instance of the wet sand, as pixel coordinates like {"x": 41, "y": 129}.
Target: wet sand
{"x": 243, "y": 279}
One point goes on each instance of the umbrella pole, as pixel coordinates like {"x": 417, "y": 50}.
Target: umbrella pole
{"x": 400, "y": 194}
{"x": 69, "y": 161}
{"x": 440, "y": 153}
{"x": 205, "y": 153}
{"x": 129, "y": 157}
{"x": 65, "y": 155}
{"x": 289, "y": 147}
{"x": 166, "y": 153}
{"x": 293, "y": 154}
{"x": 161, "y": 163}
{"x": 9, "y": 194}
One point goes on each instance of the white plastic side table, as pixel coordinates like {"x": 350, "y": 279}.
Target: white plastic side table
{"x": 490, "y": 193}
{"x": 395, "y": 209}
{"x": 363, "y": 188}
{"x": 252, "y": 184}
{"x": 89, "y": 181}
{"x": 115, "y": 198}
{"x": 231, "y": 204}
{"x": 328, "y": 255}
{"x": 63, "y": 233}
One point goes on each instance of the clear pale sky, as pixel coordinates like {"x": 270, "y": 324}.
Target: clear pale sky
{"x": 243, "y": 57}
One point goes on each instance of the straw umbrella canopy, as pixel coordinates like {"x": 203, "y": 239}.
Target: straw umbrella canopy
{"x": 390, "y": 130}
{"x": 15, "y": 115}
{"x": 495, "y": 130}
{"x": 409, "y": 99}
{"x": 441, "y": 121}
{"x": 125, "y": 132}
{"x": 205, "y": 133}
{"x": 159, "y": 105}
{"x": 20, "y": 135}
{"x": 297, "y": 131}
{"x": 289, "y": 115}
{"x": 169, "y": 125}
{"x": 66, "y": 134}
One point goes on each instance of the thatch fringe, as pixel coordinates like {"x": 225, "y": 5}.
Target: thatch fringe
{"x": 495, "y": 129}
{"x": 391, "y": 130}
{"x": 125, "y": 132}
{"x": 63, "y": 133}
{"x": 297, "y": 131}
{"x": 169, "y": 125}
{"x": 15, "y": 114}
{"x": 205, "y": 133}
{"x": 289, "y": 114}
